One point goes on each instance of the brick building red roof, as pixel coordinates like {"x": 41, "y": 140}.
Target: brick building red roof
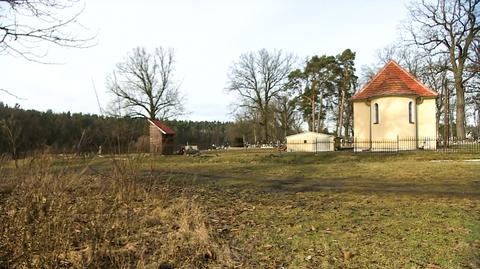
{"x": 393, "y": 80}
{"x": 163, "y": 127}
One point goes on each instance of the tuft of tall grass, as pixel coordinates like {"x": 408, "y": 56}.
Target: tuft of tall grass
{"x": 64, "y": 217}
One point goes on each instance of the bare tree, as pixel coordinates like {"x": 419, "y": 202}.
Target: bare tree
{"x": 475, "y": 101}
{"x": 144, "y": 85}
{"x": 258, "y": 78}
{"x": 434, "y": 74}
{"x": 475, "y": 86}
{"x": 346, "y": 83}
{"x": 300, "y": 81}
{"x": 287, "y": 115}
{"x": 320, "y": 73}
{"x": 12, "y": 131}
{"x": 432, "y": 70}
{"x": 315, "y": 85}
{"x": 404, "y": 54}
{"x": 26, "y": 24}
{"x": 245, "y": 126}
{"x": 448, "y": 27}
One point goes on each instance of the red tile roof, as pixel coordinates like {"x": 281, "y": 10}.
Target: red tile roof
{"x": 393, "y": 80}
{"x": 163, "y": 127}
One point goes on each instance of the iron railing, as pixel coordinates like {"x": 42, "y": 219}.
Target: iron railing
{"x": 385, "y": 145}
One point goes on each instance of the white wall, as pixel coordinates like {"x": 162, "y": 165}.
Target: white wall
{"x": 310, "y": 142}
{"x": 394, "y": 122}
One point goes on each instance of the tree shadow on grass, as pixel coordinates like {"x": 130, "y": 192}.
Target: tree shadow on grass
{"x": 302, "y": 184}
{"x": 342, "y": 185}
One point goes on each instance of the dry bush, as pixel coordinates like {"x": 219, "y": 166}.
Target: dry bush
{"x": 142, "y": 144}
{"x": 54, "y": 217}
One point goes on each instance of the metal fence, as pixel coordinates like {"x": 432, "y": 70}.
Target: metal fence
{"x": 387, "y": 145}
{"x": 454, "y": 145}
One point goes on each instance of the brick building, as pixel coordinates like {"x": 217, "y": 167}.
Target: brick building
{"x": 161, "y": 137}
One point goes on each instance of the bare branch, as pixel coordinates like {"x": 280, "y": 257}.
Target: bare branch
{"x": 11, "y": 94}
{"x": 26, "y": 25}
{"x": 258, "y": 78}
{"x": 448, "y": 27}
{"x": 146, "y": 86}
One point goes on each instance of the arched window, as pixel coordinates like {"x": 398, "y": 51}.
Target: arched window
{"x": 376, "y": 118}
{"x": 410, "y": 112}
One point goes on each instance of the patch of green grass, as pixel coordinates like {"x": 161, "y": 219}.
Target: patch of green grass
{"x": 341, "y": 210}
{"x": 349, "y": 230}
{"x": 331, "y": 210}
{"x": 409, "y": 172}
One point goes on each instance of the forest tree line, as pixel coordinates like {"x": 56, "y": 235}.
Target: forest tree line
{"x": 24, "y": 132}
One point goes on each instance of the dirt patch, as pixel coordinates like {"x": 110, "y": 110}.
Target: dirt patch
{"x": 443, "y": 161}
{"x": 302, "y": 184}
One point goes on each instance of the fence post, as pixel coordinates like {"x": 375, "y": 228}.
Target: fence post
{"x": 316, "y": 145}
{"x": 398, "y": 146}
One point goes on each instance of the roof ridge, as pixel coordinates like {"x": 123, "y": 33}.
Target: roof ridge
{"x": 374, "y": 77}
{"x": 414, "y": 78}
{"x": 164, "y": 128}
{"x": 393, "y": 79}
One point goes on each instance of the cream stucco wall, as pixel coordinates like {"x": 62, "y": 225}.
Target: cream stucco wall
{"x": 427, "y": 126}
{"x": 310, "y": 142}
{"x": 394, "y": 122}
{"x": 361, "y": 121}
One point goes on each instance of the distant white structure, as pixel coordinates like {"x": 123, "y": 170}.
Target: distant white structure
{"x": 310, "y": 142}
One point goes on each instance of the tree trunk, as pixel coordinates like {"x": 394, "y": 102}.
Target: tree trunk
{"x": 478, "y": 124}
{"x": 14, "y": 153}
{"x": 460, "y": 108}
{"x": 151, "y": 115}
{"x": 265, "y": 122}
{"x": 313, "y": 114}
{"x": 12, "y": 131}
{"x": 446, "y": 111}
{"x": 451, "y": 119}
{"x": 254, "y": 134}
{"x": 348, "y": 121}
{"x": 340, "y": 113}
{"x": 320, "y": 110}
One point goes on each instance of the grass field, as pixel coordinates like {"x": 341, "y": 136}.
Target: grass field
{"x": 243, "y": 210}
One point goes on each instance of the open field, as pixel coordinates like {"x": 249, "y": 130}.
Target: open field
{"x": 244, "y": 210}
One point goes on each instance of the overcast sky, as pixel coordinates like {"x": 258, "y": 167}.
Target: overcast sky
{"x": 207, "y": 36}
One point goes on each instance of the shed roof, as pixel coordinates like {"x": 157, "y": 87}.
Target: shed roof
{"x": 393, "y": 80}
{"x": 162, "y": 126}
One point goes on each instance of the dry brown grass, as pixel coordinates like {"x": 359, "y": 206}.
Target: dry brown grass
{"x": 52, "y": 217}
{"x": 238, "y": 210}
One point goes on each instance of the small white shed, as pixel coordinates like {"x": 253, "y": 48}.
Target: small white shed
{"x": 310, "y": 142}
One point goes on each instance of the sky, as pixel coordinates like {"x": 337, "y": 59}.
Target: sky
{"x": 207, "y": 36}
